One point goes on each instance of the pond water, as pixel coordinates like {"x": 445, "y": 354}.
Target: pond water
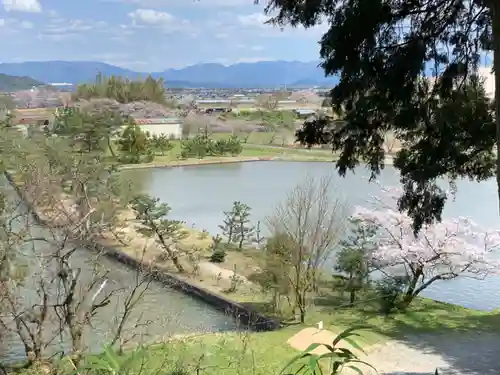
{"x": 199, "y": 195}
{"x": 162, "y": 312}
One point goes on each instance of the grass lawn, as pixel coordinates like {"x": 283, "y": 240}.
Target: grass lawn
{"x": 267, "y": 353}
{"x": 258, "y": 138}
{"x": 250, "y": 150}
{"x": 210, "y": 354}
{"x": 287, "y": 153}
{"x": 331, "y": 307}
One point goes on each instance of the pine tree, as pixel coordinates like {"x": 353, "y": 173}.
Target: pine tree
{"x": 168, "y": 233}
{"x": 228, "y": 225}
{"x": 243, "y": 228}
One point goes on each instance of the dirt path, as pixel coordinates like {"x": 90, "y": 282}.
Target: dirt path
{"x": 452, "y": 353}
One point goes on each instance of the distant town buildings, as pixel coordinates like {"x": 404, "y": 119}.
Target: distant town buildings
{"x": 36, "y": 107}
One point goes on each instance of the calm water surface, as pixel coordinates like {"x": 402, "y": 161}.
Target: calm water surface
{"x": 199, "y": 195}
{"x": 161, "y": 313}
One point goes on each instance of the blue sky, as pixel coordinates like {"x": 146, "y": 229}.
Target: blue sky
{"x": 148, "y": 35}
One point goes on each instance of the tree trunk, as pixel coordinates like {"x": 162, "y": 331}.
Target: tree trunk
{"x": 276, "y": 300}
{"x": 177, "y": 263}
{"x": 302, "y": 306}
{"x": 495, "y": 20}
{"x": 76, "y": 343}
{"x": 410, "y": 291}
{"x": 242, "y": 237}
{"x": 352, "y": 291}
{"x": 352, "y": 297}
{"x": 302, "y": 316}
{"x": 110, "y": 146}
{"x": 171, "y": 254}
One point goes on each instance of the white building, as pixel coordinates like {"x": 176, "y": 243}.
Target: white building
{"x": 169, "y": 126}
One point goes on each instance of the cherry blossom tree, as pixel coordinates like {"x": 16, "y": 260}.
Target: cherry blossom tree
{"x": 441, "y": 251}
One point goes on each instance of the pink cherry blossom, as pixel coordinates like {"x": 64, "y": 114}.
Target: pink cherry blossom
{"x": 440, "y": 251}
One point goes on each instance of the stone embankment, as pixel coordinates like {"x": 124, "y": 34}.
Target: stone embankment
{"x": 140, "y": 254}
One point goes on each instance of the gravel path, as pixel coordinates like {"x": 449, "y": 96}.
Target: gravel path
{"x": 453, "y": 354}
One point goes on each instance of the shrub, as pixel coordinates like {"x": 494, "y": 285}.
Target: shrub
{"x": 201, "y": 146}
{"x": 218, "y": 256}
{"x": 389, "y": 291}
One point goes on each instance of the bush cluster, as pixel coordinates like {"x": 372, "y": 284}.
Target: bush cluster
{"x": 201, "y": 146}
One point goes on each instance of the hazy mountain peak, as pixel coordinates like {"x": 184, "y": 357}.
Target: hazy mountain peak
{"x": 244, "y": 74}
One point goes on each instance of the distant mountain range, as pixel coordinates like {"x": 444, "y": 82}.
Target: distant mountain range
{"x": 16, "y": 83}
{"x": 264, "y": 74}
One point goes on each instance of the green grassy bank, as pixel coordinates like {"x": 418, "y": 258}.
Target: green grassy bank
{"x": 250, "y": 152}
{"x": 265, "y": 353}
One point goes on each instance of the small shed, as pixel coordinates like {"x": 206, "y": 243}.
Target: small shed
{"x": 169, "y": 126}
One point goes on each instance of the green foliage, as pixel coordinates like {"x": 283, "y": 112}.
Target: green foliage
{"x": 154, "y": 224}
{"x": 389, "y": 291}
{"x": 228, "y": 225}
{"x": 237, "y": 224}
{"x": 352, "y": 260}
{"x": 447, "y": 125}
{"x": 160, "y": 143}
{"x": 336, "y": 358}
{"x": 202, "y": 146}
{"x": 258, "y": 239}
{"x": 90, "y": 131}
{"x": 135, "y": 145}
{"x": 273, "y": 274}
{"x": 218, "y": 251}
{"x": 109, "y": 362}
{"x": 123, "y": 90}
{"x": 87, "y": 131}
{"x": 218, "y": 256}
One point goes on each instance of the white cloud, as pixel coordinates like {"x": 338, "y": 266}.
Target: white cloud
{"x": 150, "y": 16}
{"x": 253, "y": 20}
{"x": 59, "y": 29}
{"x": 31, "y": 6}
{"x": 26, "y": 25}
{"x": 190, "y": 3}
{"x": 256, "y": 24}
{"x": 13, "y": 25}
{"x": 163, "y": 21}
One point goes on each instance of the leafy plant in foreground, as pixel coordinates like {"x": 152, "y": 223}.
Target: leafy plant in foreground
{"x": 112, "y": 363}
{"x": 335, "y": 357}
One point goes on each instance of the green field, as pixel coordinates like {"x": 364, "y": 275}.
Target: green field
{"x": 266, "y": 353}
{"x": 257, "y": 145}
